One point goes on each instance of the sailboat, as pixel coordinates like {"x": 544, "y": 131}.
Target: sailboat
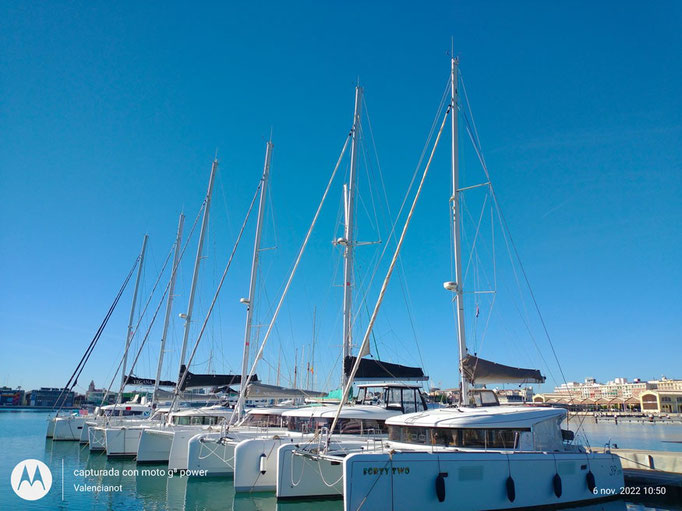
{"x": 120, "y": 437}
{"x": 126, "y": 439}
{"x": 477, "y": 455}
{"x": 74, "y": 427}
{"x": 169, "y": 441}
{"x": 212, "y": 453}
{"x": 258, "y": 463}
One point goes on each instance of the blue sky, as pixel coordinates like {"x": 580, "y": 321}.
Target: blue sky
{"x": 111, "y": 115}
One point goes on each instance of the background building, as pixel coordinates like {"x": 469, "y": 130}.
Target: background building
{"x": 618, "y": 395}
{"x": 48, "y": 397}
{"x": 11, "y": 397}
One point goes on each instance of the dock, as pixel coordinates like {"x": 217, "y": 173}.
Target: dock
{"x": 654, "y": 476}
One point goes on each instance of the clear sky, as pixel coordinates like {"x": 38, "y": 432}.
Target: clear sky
{"x": 111, "y": 113}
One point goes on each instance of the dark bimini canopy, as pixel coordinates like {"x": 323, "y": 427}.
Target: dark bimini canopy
{"x": 371, "y": 369}
{"x": 135, "y": 380}
{"x": 256, "y": 390}
{"x": 210, "y": 380}
{"x": 478, "y": 370}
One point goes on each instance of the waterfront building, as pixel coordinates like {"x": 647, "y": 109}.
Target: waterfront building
{"x": 617, "y": 395}
{"x": 94, "y": 396}
{"x": 591, "y": 389}
{"x": 48, "y": 397}
{"x": 662, "y": 401}
{"x": 11, "y": 397}
{"x": 667, "y": 384}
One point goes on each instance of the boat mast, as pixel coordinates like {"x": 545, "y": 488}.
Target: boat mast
{"x": 169, "y": 305}
{"x": 254, "y": 271}
{"x": 129, "y": 337}
{"x": 349, "y": 236}
{"x": 456, "y": 227}
{"x": 312, "y": 357}
{"x": 188, "y": 315}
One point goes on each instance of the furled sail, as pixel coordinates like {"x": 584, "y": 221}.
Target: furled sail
{"x": 210, "y": 380}
{"x": 377, "y": 370}
{"x": 478, "y": 370}
{"x": 256, "y": 390}
{"x": 135, "y": 380}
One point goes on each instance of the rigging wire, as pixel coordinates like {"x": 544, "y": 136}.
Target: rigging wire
{"x": 106, "y": 394}
{"x": 391, "y": 235}
{"x": 181, "y": 381}
{"x": 364, "y": 348}
{"x": 73, "y": 380}
{"x": 242, "y": 391}
{"x": 476, "y": 142}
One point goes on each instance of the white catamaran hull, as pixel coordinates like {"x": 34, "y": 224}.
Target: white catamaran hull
{"x": 154, "y": 446}
{"x": 123, "y": 440}
{"x": 178, "y": 458}
{"x": 50, "y": 427}
{"x": 68, "y": 428}
{"x": 302, "y": 477}
{"x": 85, "y": 438}
{"x": 255, "y": 463}
{"x": 96, "y": 438}
{"x": 472, "y": 481}
{"x": 210, "y": 453}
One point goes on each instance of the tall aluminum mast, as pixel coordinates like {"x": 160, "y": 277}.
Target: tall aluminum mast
{"x": 349, "y": 237}
{"x": 169, "y": 305}
{"x": 456, "y": 227}
{"x": 129, "y": 337}
{"x": 188, "y": 315}
{"x": 254, "y": 273}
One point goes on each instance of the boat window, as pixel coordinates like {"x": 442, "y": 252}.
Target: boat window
{"x": 409, "y": 401}
{"x": 370, "y": 427}
{"x": 455, "y": 437}
{"x": 485, "y": 398}
{"x": 351, "y": 426}
{"x": 394, "y": 398}
{"x": 371, "y": 396}
{"x": 263, "y": 420}
{"x": 345, "y": 426}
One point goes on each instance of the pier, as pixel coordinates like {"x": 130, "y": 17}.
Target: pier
{"x": 651, "y": 475}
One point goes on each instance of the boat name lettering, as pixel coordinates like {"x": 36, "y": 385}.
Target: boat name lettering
{"x": 373, "y": 471}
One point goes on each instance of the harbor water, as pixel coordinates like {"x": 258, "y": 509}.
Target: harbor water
{"x": 126, "y": 487}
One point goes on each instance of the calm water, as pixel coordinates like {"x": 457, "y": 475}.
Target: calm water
{"x": 22, "y": 436}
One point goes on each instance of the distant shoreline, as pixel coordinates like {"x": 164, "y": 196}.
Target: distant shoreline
{"x": 36, "y": 408}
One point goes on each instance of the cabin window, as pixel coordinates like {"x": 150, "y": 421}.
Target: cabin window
{"x": 351, "y": 426}
{"x": 196, "y": 420}
{"x": 263, "y": 420}
{"x": 409, "y": 401}
{"x": 457, "y": 437}
{"x": 346, "y": 426}
{"x": 485, "y": 398}
{"x": 129, "y": 413}
{"x": 394, "y": 398}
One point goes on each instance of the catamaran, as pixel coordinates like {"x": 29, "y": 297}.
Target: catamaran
{"x": 74, "y": 426}
{"x": 477, "y": 455}
{"x": 255, "y": 459}
{"x": 169, "y": 441}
